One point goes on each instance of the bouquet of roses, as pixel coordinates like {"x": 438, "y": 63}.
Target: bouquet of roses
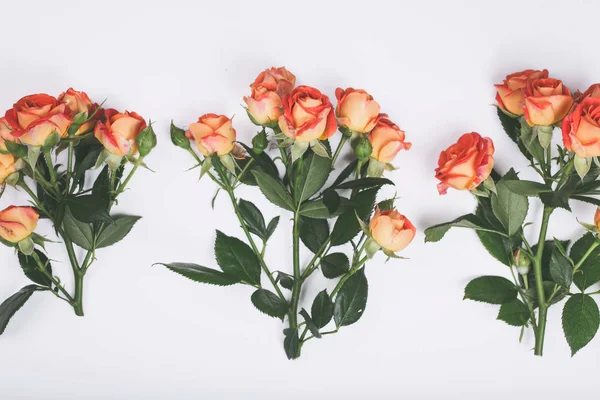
{"x": 37, "y": 132}
{"x": 544, "y": 271}
{"x": 331, "y": 201}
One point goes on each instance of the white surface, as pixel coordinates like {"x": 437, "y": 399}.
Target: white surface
{"x": 149, "y": 334}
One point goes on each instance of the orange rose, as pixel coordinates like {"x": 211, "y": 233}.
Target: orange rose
{"x": 17, "y": 223}
{"x": 7, "y": 166}
{"x": 213, "y": 134}
{"x": 36, "y": 117}
{"x": 79, "y": 102}
{"x": 356, "y": 110}
{"x": 391, "y": 230}
{"x": 264, "y": 104}
{"x": 387, "y": 140}
{"x": 510, "y": 93}
{"x": 547, "y": 101}
{"x": 465, "y": 164}
{"x": 118, "y": 131}
{"x": 307, "y": 115}
{"x": 597, "y": 218}
{"x": 592, "y": 91}
{"x": 581, "y": 128}
{"x": 5, "y": 134}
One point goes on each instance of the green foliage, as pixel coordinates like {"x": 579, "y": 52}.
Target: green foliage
{"x": 14, "y": 303}
{"x": 201, "y": 274}
{"x": 491, "y": 289}
{"x": 313, "y": 175}
{"x": 580, "y": 320}
{"x": 237, "y": 259}
{"x": 509, "y": 207}
{"x": 437, "y": 232}
{"x": 269, "y": 303}
{"x": 322, "y": 309}
{"x": 351, "y": 300}
{"x": 334, "y": 265}
{"x": 314, "y": 233}
{"x": 514, "y": 312}
{"x": 347, "y": 227}
{"x": 589, "y": 271}
{"x": 274, "y": 190}
{"x": 32, "y": 269}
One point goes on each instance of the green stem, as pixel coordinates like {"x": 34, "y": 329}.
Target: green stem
{"x": 78, "y": 301}
{"x": 586, "y": 255}
{"x": 53, "y": 177}
{"x": 57, "y": 284}
{"x": 348, "y": 275}
{"x": 566, "y": 173}
{"x": 338, "y": 150}
{"x": 123, "y": 184}
{"x": 539, "y": 284}
{"x": 297, "y": 277}
{"x": 523, "y": 297}
{"x": 34, "y": 197}
{"x": 237, "y": 178}
{"x": 69, "y": 166}
{"x": 311, "y": 267}
{"x": 263, "y": 265}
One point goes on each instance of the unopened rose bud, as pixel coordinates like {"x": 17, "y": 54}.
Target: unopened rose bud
{"x": 178, "y": 137}
{"x": 146, "y": 141}
{"x": 363, "y": 149}
{"x": 260, "y": 142}
{"x": 522, "y": 262}
{"x": 597, "y": 218}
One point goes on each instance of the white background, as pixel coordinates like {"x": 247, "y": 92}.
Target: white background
{"x": 149, "y": 334}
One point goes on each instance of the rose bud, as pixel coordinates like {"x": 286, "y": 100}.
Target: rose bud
{"x": 36, "y": 117}
{"x": 213, "y": 134}
{"x": 510, "y": 92}
{"x": 17, "y": 223}
{"x": 5, "y": 134}
{"x": 465, "y": 164}
{"x": 522, "y": 262}
{"x": 264, "y": 104}
{"x": 363, "y": 149}
{"x": 387, "y": 140}
{"x": 8, "y": 166}
{"x": 260, "y": 142}
{"x": 178, "y": 137}
{"x": 307, "y": 115}
{"x": 79, "y": 102}
{"x": 581, "y": 128}
{"x": 119, "y": 131}
{"x": 356, "y": 110}
{"x": 391, "y": 230}
{"x": 146, "y": 141}
{"x": 547, "y": 101}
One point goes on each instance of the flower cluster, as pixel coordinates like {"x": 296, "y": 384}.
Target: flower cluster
{"x": 301, "y": 121}
{"x": 54, "y": 143}
{"x": 530, "y": 105}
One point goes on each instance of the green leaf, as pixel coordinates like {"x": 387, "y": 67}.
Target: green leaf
{"x": 589, "y": 271}
{"x": 346, "y": 173}
{"x": 291, "y": 343}
{"x": 286, "y": 280}
{"x": 351, "y": 300}
{"x": 560, "y": 199}
{"x": 334, "y": 265}
{"x": 510, "y": 208}
{"x": 79, "y": 232}
{"x": 436, "y": 233}
{"x": 365, "y": 183}
{"x": 332, "y": 200}
{"x": 237, "y": 259}
{"x": 272, "y": 226}
{"x": 16, "y": 149}
{"x": 512, "y": 127}
{"x": 14, "y": 304}
{"x": 318, "y": 209}
{"x": 89, "y": 208}
{"x": 31, "y": 270}
{"x": 586, "y": 199}
{"x": 310, "y": 324}
{"x": 580, "y": 320}
{"x": 500, "y": 247}
{"x": 273, "y": 190}
{"x": 322, "y": 309}
{"x": 314, "y": 174}
{"x": 561, "y": 269}
{"x": 115, "y": 232}
{"x": 201, "y": 274}
{"x": 514, "y": 313}
{"x": 314, "y": 233}
{"x": 491, "y": 289}
{"x": 527, "y": 188}
{"x": 269, "y": 303}
{"x": 346, "y": 227}
{"x": 253, "y": 218}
